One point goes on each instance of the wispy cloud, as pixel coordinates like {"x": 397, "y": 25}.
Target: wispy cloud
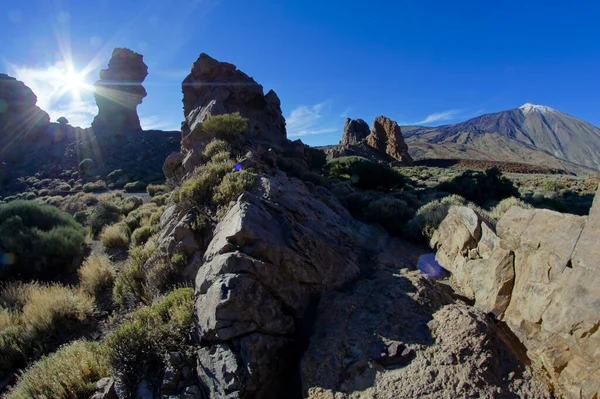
{"x": 309, "y": 120}
{"x": 155, "y": 122}
{"x": 79, "y": 113}
{"x": 346, "y": 113}
{"x": 439, "y": 117}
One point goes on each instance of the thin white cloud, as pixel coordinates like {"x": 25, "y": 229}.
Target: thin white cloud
{"x": 346, "y": 112}
{"x": 439, "y": 117}
{"x": 155, "y": 122}
{"x": 79, "y": 113}
{"x": 309, "y": 120}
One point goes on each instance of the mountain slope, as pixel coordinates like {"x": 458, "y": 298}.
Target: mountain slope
{"x": 533, "y": 134}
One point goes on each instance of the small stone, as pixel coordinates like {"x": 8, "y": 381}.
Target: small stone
{"x": 192, "y": 390}
{"x": 449, "y": 359}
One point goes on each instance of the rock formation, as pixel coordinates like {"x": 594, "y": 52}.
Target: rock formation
{"x": 355, "y": 131}
{"x": 383, "y": 143}
{"x": 118, "y": 93}
{"x": 295, "y": 298}
{"x": 386, "y": 137}
{"x": 215, "y": 87}
{"x": 539, "y": 272}
{"x": 20, "y": 117}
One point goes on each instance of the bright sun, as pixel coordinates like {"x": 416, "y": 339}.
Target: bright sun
{"x": 72, "y": 81}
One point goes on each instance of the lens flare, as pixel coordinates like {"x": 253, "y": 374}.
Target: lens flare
{"x": 430, "y": 267}
{"x": 8, "y": 259}
{"x": 238, "y": 167}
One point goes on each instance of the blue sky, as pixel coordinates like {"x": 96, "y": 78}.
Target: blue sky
{"x": 426, "y": 62}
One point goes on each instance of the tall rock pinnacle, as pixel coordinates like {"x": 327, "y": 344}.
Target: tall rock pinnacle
{"x": 118, "y": 93}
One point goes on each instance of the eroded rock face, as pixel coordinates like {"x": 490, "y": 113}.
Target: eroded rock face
{"x": 214, "y": 88}
{"x": 386, "y": 137}
{"x": 539, "y": 272}
{"x": 118, "y": 93}
{"x": 271, "y": 253}
{"x": 19, "y": 114}
{"x": 355, "y": 131}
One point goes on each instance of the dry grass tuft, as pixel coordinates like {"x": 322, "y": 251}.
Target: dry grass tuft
{"x": 115, "y": 235}
{"x": 96, "y": 275}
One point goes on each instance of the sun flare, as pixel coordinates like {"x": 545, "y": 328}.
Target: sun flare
{"x": 72, "y": 81}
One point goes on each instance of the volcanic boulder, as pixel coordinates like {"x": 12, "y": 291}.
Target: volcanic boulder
{"x": 386, "y": 137}
{"x": 118, "y": 93}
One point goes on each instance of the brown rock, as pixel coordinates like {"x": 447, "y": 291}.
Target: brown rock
{"x": 118, "y": 93}
{"x": 355, "y": 131}
{"x": 386, "y": 137}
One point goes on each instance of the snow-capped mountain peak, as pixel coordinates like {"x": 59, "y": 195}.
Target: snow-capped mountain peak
{"x": 529, "y": 107}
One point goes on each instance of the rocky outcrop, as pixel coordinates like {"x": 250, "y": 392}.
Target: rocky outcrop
{"x": 355, "y": 131}
{"x": 386, "y": 137}
{"x": 383, "y": 143}
{"x": 118, "y": 93}
{"x": 20, "y": 117}
{"x": 273, "y": 251}
{"x": 214, "y": 88}
{"x": 539, "y": 272}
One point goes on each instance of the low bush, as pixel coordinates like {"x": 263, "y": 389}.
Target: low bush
{"x": 364, "y": 173}
{"x": 391, "y": 213}
{"x": 97, "y": 186}
{"x": 232, "y": 185}
{"x": 115, "y": 236}
{"x": 160, "y": 199}
{"x": 552, "y": 185}
{"x": 135, "y": 349}
{"x": 96, "y": 275}
{"x": 198, "y": 189}
{"x": 86, "y": 165}
{"x": 480, "y": 187}
{"x": 70, "y": 372}
{"x": 104, "y": 214}
{"x": 142, "y": 215}
{"x": 130, "y": 204}
{"x": 135, "y": 187}
{"x": 429, "y": 216}
{"x": 130, "y": 283}
{"x": 141, "y": 235}
{"x": 226, "y": 125}
{"x": 42, "y": 240}
{"x": 215, "y": 147}
{"x": 154, "y": 189}
{"x": 503, "y": 206}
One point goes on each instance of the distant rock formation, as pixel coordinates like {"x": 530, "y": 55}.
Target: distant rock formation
{"x": 539, "y": 272}
{"x": 214, "y": 88}
{"x": 118, "y": 93}
{"x": 355, "y": 131}
{"x": 383, "y": 143}
{"x": 386, "y": 137}
{"x": 20, "y": 117}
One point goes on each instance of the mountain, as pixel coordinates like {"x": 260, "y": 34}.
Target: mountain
{"x": 534, "y": 134}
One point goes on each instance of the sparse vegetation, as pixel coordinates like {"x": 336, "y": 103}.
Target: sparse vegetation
{"x": 232, "y": 185}
{"x": 135, "y": 348}
{"x": 215, "y": 147}
{"x": 96, "y": 275}
{"x": 141, "y": 235}
{"x": 86, "y": 165}
{"x": 430, "y": 215}
{"x": 391, "y": 213}
{"x": 226, "y": 125}
{"x": 365, "y": 174}
{"x": 97, "y": 186}
{"x": 70, "y": 372}
{"x": 480, "y": 187}
{"x": 41, "y": 240}
{"x": 115, "y": 236}
{"x": 135, "y": 187}
{"x": 104, "y": 214}
{"x": 198, "y": 189}
{"x": 552, "y": 185}
{"x": 154, "y": 189}
{"x": 503, "y": 206}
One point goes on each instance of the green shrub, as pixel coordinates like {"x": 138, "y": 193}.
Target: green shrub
{"x": 198, "y": 189}
{"x": 226, "y": 125}
{"x": 552, "y": 185}
{"x": 154, "y": 189}
{"x": 30, "y": 196}
{"x": 160, "y": 199}
{"x": 391, "y": 213}
{"x": 70, "y": 372}
{"x": 130, "y": 284}
{"x": 104, "y": 214}
{"x": 503, "y": 206}
{"x": 115, "y": 175}
{"x": 42, "y": 241}
{"x": 232, "y": 185}
{"x": 215, "y": 147}
{"x": 142, "y": 215}
{"x": 430, "y": 215}
{"x": 137, "y": 186}
{"x": 86, "y": 165}
{"x": 135, "y": 349}
{"x": 480, "y": 187}
{"x": 141, "y": 235}
{"x": 130, "y": 204}
{"x": 97, "y": 186}
{"x": 364, "y": 173}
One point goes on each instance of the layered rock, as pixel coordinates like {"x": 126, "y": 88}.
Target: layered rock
{"x": 386, "y": 137}
{"x": 355, "y": 131}
{"x": 539, "y": 272}
{"x": 118, "y": 93}
{"x": 20, "y": 117}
